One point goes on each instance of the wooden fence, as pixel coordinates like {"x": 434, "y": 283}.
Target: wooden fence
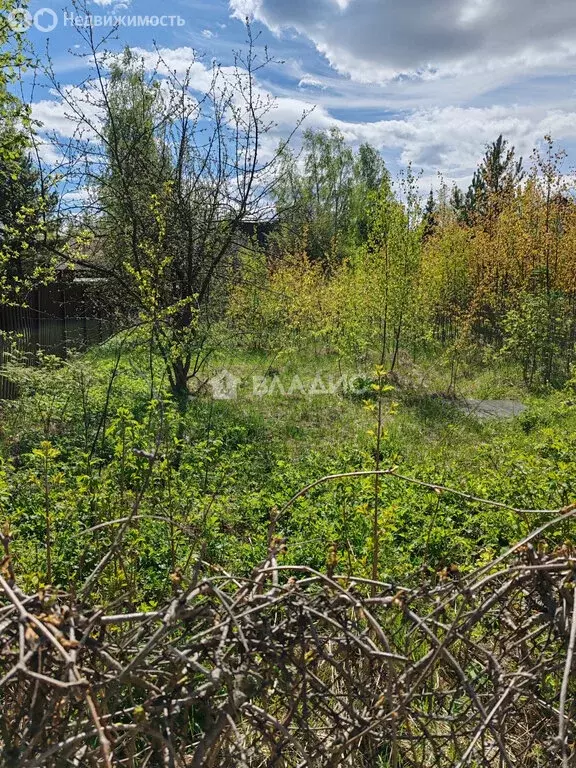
{"x": 57, "y": 318}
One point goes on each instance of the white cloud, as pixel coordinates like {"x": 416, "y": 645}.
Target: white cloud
{"x": 58, "y": 115}
{"x": 208, "y": 34}
{"x": 119, "y": 5}
{"x": 438, "y": 136}
{"x": 48, "y": 153}
{"x": 84, "y": 195}
{"x": 448, "y": 139}
{"x": 54, "y": 117}
{"x": 179, "y": 61}
{"x": 310, "y": 82}
{"x": 431, "y": 82}
{"x": 376, "y": 40}
{"x": 453, "y": 139}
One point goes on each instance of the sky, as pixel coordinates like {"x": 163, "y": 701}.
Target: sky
{"x": 428, "y": 82}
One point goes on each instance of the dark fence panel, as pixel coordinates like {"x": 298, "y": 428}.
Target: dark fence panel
{"x": 56, "y": 319}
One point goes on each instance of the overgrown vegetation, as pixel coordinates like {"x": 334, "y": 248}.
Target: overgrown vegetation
{"x": 282, "y": 316}
{"x": 27, "y": 198}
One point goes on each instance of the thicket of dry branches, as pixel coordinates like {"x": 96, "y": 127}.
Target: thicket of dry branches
{"x": 290, "y": 667}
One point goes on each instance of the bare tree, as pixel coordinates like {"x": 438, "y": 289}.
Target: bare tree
{"x": 172, "y": 165}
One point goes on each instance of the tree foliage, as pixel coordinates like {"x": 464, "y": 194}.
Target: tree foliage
{"x": 27, "y": 199}
{"x": 177, "y": 169}
{"x": 491, "y": 273}
{"x": 495, "y": 180}
{"x": 324, "y": 192}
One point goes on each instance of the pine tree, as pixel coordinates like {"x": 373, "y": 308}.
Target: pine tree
{"x": 501, "y": 172}
{"x": 457, "y": 202}
{"x": 496, "y": 178}
{"x": 430, "y": 218}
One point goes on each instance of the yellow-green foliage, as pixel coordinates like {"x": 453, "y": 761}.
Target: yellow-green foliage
{"x": 279, "y": 306}
{"x": 446, "y": 279}
{"x": 366, "y": 302}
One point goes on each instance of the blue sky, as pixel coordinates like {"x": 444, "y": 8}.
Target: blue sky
{"x": 426, "y": 81}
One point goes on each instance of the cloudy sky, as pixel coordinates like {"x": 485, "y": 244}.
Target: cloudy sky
{"x": 426, "y": 81}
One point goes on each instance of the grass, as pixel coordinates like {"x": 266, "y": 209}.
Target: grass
{"x": 231, "y": 462}
{"x": 425, "y": 426}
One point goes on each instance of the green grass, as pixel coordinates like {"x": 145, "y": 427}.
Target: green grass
{"x": 230, "y": 463}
